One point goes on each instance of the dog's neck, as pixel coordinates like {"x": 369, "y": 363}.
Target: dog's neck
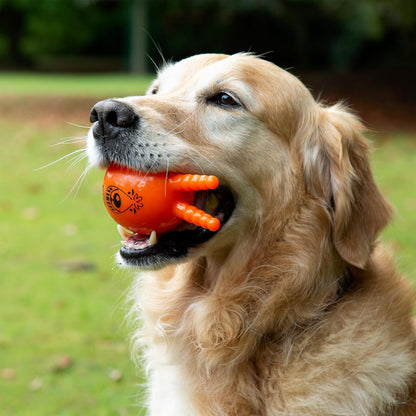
{"x": 275, "y": 279}
{"x": 218, "y": 313}
{"x": 278, "y": 258}
{"x": 262, "y": 287}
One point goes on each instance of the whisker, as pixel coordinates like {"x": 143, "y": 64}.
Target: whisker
{"x": 60, "y": 159}
{"x": 149, "y": 170}
{"x": 167, "y": 175}
{"x": 77, "y": 159}
{"x": 159, "y": 51}
{"x": 77, "y": 125}
{"x": 77, "y": 185}
{"x": 69, "y": 140}
{"x": 153, "y": 62}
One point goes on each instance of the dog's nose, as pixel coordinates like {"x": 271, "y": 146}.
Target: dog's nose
{"x": 113, "y": 115}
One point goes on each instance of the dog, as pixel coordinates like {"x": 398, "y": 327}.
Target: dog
{"x": 292, "y": 307}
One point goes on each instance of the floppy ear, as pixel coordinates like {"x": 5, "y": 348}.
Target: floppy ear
{"x": 337, "y": 170}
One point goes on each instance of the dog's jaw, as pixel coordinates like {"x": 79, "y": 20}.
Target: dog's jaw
{"x": 140, "y": 147}
{"x": 157, "y": 251}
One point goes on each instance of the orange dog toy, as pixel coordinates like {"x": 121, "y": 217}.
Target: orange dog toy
{"x": 143, "y": 202}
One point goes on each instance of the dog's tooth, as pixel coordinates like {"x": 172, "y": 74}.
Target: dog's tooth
{"x": 153, "y": 238}
{"x": 123, "y": 232}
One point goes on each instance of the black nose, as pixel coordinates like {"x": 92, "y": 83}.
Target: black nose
{"x": 113, "y": 115}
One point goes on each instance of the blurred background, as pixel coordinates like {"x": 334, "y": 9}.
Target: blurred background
{"x": 64, "y": 346}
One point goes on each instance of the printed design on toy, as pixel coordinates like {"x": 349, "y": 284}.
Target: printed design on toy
{"x": 119, "y": 201}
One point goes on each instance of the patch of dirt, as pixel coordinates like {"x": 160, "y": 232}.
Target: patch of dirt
{"x": 44, "y": 112}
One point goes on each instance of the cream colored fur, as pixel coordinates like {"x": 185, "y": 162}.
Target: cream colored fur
{"x": 251, "y": 324}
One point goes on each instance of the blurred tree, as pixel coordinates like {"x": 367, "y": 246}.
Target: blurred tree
{"x": 367, "y": 23}
{"x": 53, "y": 29}
{"x": 338, "y": 34}
{"x": 137, "y": 36}
{"x": 11, "y": 25}
{"x": 307, "y": 33}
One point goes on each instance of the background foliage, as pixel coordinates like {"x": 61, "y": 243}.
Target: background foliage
{"x": 338, "y": 34}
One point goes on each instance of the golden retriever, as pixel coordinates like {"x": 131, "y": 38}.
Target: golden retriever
{"x": 292, "y": 308}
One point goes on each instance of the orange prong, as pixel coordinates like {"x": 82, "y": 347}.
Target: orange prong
{"x": 188, "y": 182}
{"x": 196, "y": 216}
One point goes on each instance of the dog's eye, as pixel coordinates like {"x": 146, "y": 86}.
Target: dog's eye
{"x": 224, "y": 100}
{"x": 153, "y": 89}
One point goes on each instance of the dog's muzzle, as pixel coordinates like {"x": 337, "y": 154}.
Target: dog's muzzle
{"x": 116, "y": 134}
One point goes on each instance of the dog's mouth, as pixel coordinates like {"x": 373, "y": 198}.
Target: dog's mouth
{"x": 155, "y": 251}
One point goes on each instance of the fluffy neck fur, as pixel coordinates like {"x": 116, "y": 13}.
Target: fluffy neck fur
{"x": 218, "y": 315}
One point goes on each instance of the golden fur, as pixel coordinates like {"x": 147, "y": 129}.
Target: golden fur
{"x": 254, "y": 322}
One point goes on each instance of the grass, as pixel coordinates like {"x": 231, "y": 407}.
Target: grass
{"x": 64, "y": 349}
{"x": 393, "y": 163}
{"x": 108, "y": 85}
{"x": 61, "y": 336}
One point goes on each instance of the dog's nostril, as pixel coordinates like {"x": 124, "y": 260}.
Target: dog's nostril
{"x": 93, "y": 115}
{"x": 113, "y": 113}
{"x": 122, "y": 116}
{"x": 112, "y": 119}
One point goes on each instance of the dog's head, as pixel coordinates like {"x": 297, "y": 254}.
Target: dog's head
{"x": 259, "y": 130}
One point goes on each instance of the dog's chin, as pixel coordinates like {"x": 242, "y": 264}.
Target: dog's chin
{"x": 177, "y": 245}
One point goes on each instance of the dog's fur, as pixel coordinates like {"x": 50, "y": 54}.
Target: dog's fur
{"x": 292, "y": 308}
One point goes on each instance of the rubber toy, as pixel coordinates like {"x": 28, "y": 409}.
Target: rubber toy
{"x": 144, "y": 202}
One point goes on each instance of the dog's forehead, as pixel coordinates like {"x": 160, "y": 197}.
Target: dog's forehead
{"x": 173, "y": 76}
{"x": 202, "y": 71}
{"x": 251, "y": 74}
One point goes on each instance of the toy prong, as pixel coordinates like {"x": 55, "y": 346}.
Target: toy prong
{"x": 188, "y": 182}
{"x": 196, "y": 216}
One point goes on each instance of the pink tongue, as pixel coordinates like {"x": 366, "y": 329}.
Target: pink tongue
{"x": 137, "y": 241}
{"x": 134, "y": 240}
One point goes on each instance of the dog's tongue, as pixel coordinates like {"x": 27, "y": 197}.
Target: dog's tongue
{"x": 136, "y": 241}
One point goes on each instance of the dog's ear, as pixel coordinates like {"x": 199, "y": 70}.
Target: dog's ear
{"x": 337, "y": 170}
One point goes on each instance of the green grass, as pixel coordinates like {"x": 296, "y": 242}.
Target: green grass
{"x": 61, "y": 296}
{"x": 108, "y": 85}
{"x": 394, "y": 162}
{"x": 63, "y": 343}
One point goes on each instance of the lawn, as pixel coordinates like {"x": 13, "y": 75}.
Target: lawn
{"x": 28, "y": 84}
{"x": 394, "y": 166}
{"x": 64, "y": 347}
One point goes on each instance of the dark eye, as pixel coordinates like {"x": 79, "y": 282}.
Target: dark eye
{"x": 224, "y": 100}
{"x": 154, "y": 89}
